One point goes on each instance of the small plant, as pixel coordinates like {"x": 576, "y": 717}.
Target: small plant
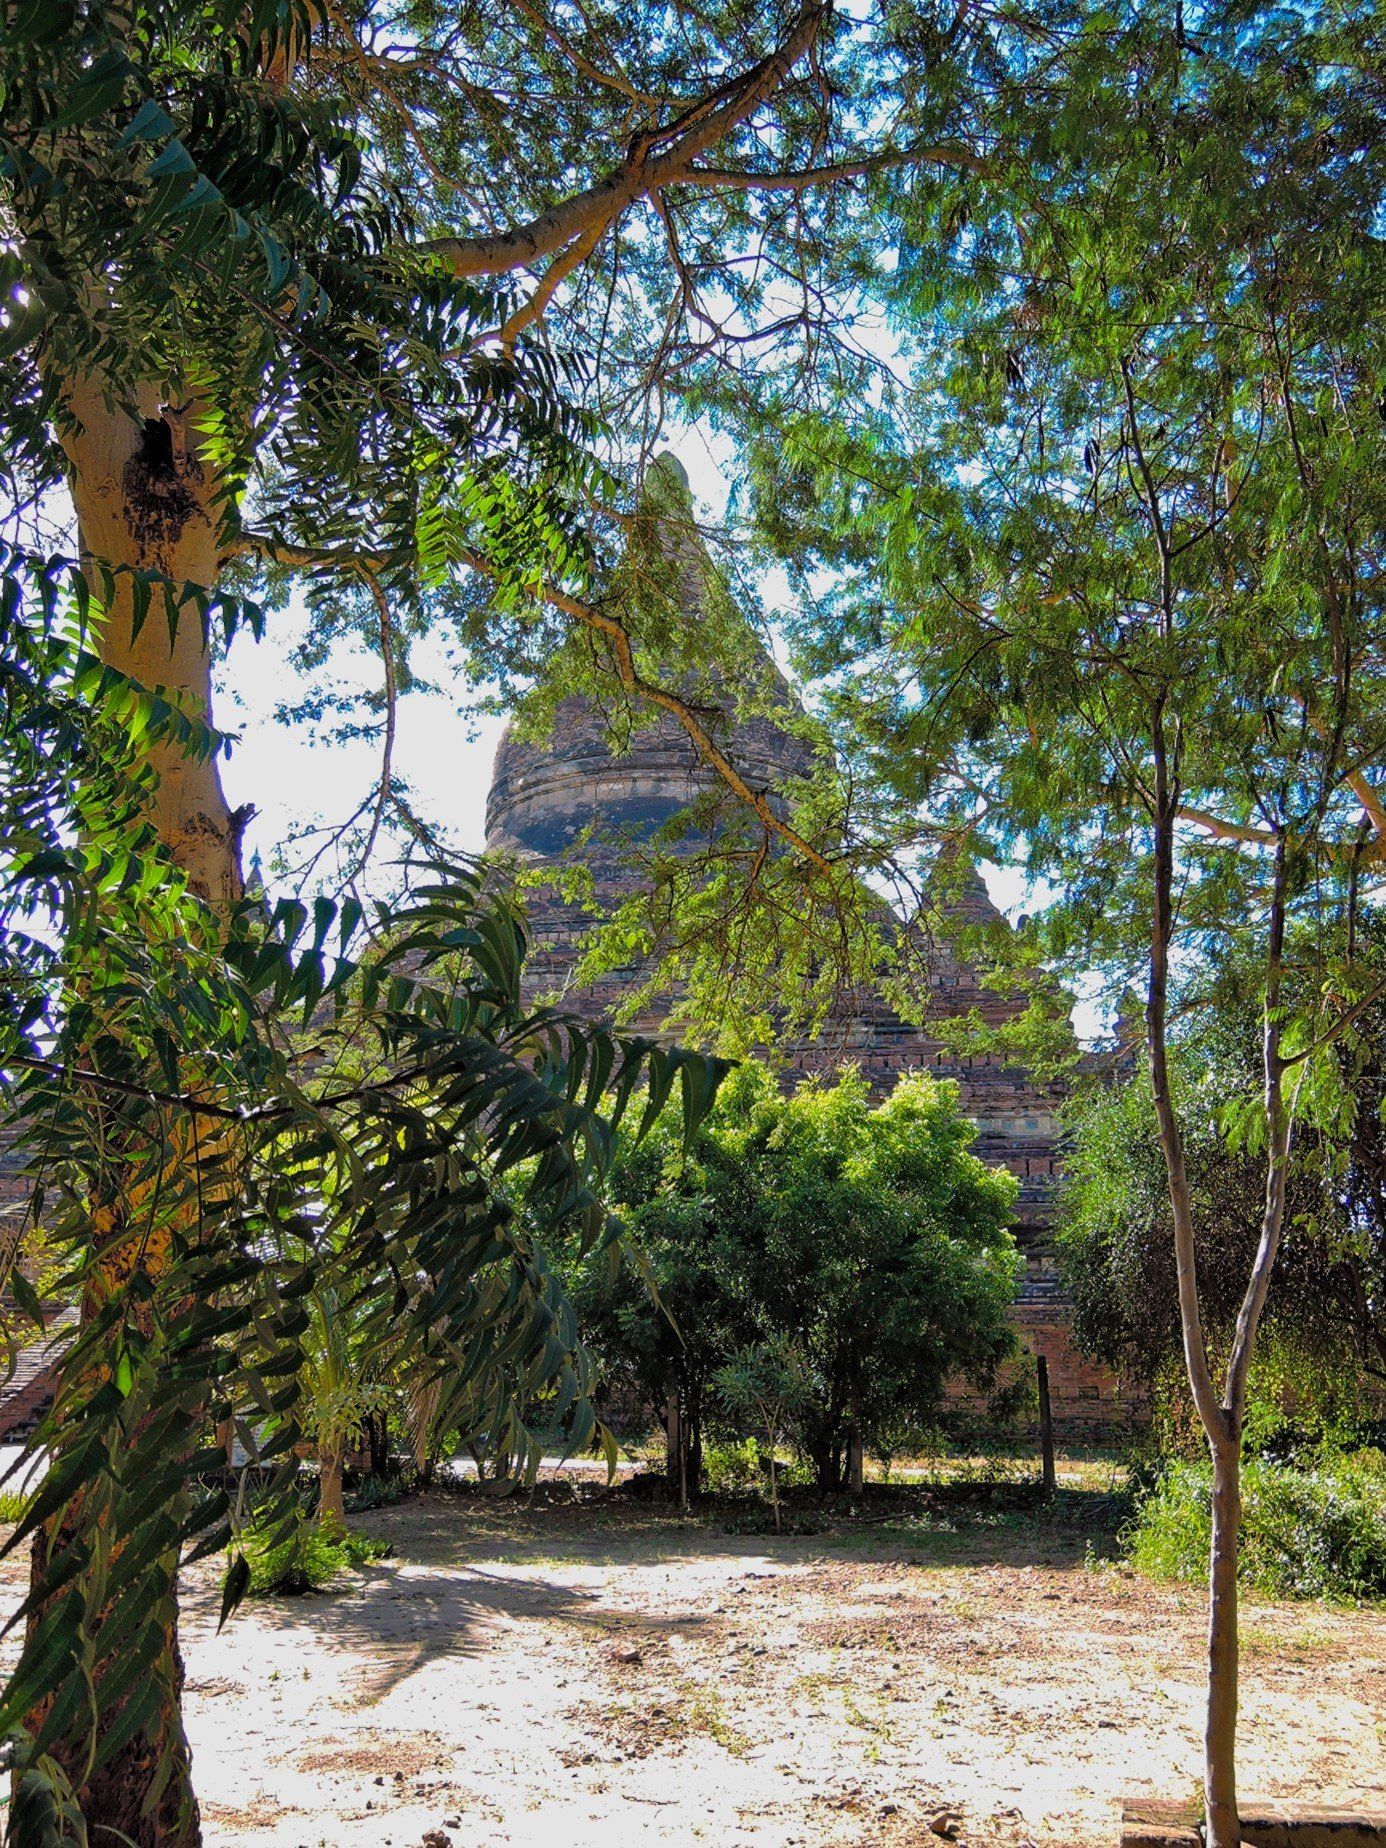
{"x": 767, "y": 1381}
{"x": 291, "y": 1556}
{"x": 706, "y": 1713}
{"x": 13, "y": 1504}
{"x": 1316, "y": 1533}
{"x": 733, "y": 1469}
{"x": 384, "y": 1491}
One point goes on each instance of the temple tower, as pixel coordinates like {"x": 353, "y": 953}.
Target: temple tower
{"x": 570, "y": 799}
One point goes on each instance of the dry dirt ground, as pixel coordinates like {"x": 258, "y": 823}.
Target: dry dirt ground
{"x": 591, "y": 1669}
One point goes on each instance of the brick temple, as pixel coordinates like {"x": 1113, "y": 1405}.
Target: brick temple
{"x": 571, "y": 800}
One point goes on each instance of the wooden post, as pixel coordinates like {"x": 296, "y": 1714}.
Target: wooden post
{"x": 673, "y": 1442}
{"x": 1046, "y": 1424}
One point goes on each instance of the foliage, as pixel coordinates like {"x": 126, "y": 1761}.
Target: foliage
{"x": 256, "y": 260}
{"x": 734, "y": 1468}
{"x": 1114, "y": 1237}
{"x": 1115, "y": 1242}
{"x": 466, "y": 1123}
{"x": 289, "y": 1554}
{"x": 1103, "y": 573}
{"x": 1308, "y": 1533}
{"x": 769, "y": 1383}
{"x": 870, "y": 1238}
{"x": 336, "y": 1398}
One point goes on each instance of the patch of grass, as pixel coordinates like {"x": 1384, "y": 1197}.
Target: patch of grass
{"x": 871, "y": 1723}
{"x": 14, "y": 1504}
{"x": 288, "y": 1558}
{"x": 1267, "y": 1640}
{"x": 702, "y": 1710}
{"x": 1317, "y": 1533}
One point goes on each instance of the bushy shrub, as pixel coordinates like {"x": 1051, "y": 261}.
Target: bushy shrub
{"x": 289, "y": 1558}
{"x": 733, "y": 1469}
{"x": 869, "y": 1237}
{"x": 1306, "y": 1533}
{"x": 385, "y": 1491}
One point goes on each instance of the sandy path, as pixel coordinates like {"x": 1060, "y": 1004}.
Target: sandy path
{"x": 608, "y": 1675}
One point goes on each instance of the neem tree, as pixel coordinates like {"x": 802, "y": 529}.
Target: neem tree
{"x": 1109, "y": 576}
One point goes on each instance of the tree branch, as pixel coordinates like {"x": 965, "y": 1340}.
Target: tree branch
{"x": 806, "y": 177}
{"x": 644, "y": 170}
{"x": 591, "y": 616}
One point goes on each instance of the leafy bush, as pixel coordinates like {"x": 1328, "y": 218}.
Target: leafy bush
{"x": 385, "y": 1491}
{"x": 1315, "y": 1533}
{"x": 870, "y": 1238}
{"x": 288, "y": 1558}
{"x": 732, "y": 1469}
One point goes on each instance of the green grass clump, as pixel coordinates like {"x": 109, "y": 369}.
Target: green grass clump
{"x": 13, "y": 1504}
{"x": 731, "y": 1469}
{"x": 290, "y": 1557}
{"x": 1318, "y": 1532}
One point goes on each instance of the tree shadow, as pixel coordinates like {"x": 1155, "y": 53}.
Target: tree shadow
{"x": 443, "y": 1594}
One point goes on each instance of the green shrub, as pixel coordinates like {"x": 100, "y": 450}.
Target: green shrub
{"x": 1312, "y": 1533}
{"x": 385, "y": 1491}
{"x": 733, "y": 1469}
{"x": 289, "y": 1558}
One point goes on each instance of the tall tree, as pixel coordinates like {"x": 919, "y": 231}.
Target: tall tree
{"x": 1107, "y": 572}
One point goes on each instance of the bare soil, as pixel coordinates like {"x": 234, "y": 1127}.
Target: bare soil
{"x": 591, "y": 1669}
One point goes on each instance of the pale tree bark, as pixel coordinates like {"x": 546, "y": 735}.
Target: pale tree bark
{"x": 331, "y": 1502}
{"x": 147, "y": 503}
{"x": 1221, "y": 1416}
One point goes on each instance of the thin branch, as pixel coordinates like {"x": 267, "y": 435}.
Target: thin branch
{"x": 804, "y": 178}
{"x": 644, "y": 169}
{"x": 387, "y": 754}
{"x": 592, "y": 617}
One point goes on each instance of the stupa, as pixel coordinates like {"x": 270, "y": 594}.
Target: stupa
{"x": 569, "y": 798}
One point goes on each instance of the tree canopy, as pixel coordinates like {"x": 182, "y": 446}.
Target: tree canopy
{"x": 868, "y": 1236}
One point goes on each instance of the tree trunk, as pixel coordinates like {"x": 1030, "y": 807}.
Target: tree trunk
{"x": 828, "y": 1463}
{"x": 856, "y": 1460}
{"x": 377, "y": 1427}
{"x": 1046, "y": 1424}
{"x": 693, "y": 1439}
{"x": 1220, "y": 1727}
{"x": 146, "y": 503}
{"x": 331, "y": 1506}
{"x": 674, "y": 1460}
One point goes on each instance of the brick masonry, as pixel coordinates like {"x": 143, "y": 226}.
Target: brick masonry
{"x": 570, "y": 801}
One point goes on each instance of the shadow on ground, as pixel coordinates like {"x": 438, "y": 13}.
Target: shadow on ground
{"x": 571, "y": 1525}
